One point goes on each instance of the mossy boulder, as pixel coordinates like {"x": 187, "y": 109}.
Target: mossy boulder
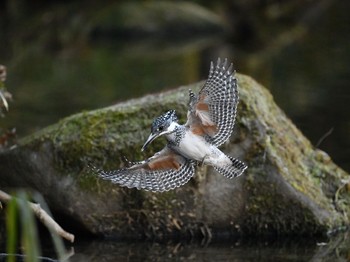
{"x": 289, "y": 187}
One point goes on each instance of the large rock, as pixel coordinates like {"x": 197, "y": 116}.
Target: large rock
{"x": 289, "y": 188}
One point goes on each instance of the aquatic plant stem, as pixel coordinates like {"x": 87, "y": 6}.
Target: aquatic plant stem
{"x": 43, "y": 216}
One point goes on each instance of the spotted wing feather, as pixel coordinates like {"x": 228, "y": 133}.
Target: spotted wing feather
{"x": 164, "y": 171}
{"x": 212, "y": 113}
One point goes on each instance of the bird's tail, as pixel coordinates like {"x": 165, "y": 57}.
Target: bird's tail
{"x": 234, "y": 170}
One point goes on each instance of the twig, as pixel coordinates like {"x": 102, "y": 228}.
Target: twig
{"x": 328, "y": 133}
{"x": 4, "y": 101}
{"x": 43, "y": 216}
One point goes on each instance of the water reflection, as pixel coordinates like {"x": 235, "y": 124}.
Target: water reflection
{"x": 258, "y": 250}
{"x": 297, "y": 249}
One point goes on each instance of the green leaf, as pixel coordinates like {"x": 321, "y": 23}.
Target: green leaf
{"x": 11, "y": 228}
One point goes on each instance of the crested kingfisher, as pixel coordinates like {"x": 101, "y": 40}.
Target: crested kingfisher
{"x": 210, "y": 120}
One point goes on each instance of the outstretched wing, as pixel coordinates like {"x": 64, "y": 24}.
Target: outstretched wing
{"x": 164, "y": 171}
{"x": 212, "y": 113}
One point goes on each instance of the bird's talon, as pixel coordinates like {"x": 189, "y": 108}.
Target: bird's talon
{"x": 202, "y": 162}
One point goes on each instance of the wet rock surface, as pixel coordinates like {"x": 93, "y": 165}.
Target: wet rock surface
{"x": 289, "y": 187}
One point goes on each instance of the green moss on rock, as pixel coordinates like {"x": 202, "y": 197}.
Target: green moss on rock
{"x": 289, "y": 187}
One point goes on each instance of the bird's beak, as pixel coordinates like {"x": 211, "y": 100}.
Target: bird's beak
{"x": 149, "y": 140}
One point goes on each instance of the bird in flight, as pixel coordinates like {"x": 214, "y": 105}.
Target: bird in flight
{"x": 210, "y": 120}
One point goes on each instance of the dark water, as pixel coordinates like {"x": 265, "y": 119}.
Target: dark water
{"x": 278, "y": 250}
{"x": 290, "y": 250}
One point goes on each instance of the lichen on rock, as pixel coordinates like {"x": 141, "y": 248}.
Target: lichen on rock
{"x": 289, "y": 188}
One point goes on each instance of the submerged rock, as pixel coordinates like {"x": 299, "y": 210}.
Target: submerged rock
{"x": 289, "y": 188}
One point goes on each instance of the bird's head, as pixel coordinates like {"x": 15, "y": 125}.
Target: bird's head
{"x": 162, "y": 125}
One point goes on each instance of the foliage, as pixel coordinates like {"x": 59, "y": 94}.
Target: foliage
{"x": 20, "y": 215}
{"x": 4, "y": 95}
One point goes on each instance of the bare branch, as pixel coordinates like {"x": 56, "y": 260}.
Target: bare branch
{"x": 43, "y": 216}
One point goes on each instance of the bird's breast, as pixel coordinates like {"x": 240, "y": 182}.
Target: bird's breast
{"x": 194, "y": 147}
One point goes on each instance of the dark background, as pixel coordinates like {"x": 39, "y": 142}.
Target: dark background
{"x": 64, "y": 57}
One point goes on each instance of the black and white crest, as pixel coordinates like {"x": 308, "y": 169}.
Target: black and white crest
{"x": 163, "y": 121}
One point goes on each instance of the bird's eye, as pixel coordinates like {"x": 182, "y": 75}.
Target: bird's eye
{"x": 160, "y": 128}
